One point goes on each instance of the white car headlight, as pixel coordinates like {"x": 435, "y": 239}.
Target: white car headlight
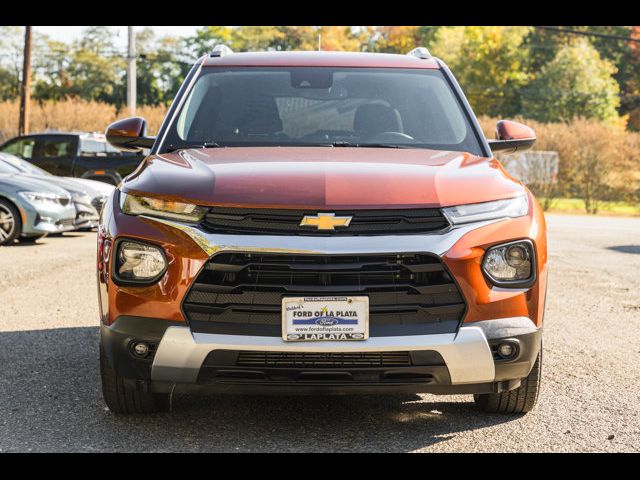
{"x": 139, "y": 262}
{"x": 45, "y": 198}
{"x": 510, "y": 264}
{"x": 477, "y": 212}
{"x": 155, "y": 207}
{"x": 81, "y": 197}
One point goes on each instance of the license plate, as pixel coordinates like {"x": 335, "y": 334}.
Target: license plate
{"x": 325, "y": 318}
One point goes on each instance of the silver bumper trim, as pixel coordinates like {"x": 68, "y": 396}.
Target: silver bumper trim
{"x": 181, "y": 353}
{"x": 437, "y": 243}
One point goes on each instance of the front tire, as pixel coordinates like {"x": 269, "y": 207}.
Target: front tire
{"x": 518, "y": 400}
{"x": 123, "y": 400}
{"x": 10, "y": 222}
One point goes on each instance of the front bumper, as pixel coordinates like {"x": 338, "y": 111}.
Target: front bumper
{"x": 39, "y": 219}
{"x": 179, "y": 360}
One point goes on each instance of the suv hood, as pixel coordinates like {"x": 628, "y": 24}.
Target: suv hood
{"x": 322, "y": 177}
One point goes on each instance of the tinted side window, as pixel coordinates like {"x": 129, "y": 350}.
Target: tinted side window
{"x": 55, "y": 148}
{"x": 22, "y": 147}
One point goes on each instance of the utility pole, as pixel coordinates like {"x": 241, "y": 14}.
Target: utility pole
{"x": 131, "y": 72}
{"x": 319, "y": 42}
{"x": 25, "y": 94}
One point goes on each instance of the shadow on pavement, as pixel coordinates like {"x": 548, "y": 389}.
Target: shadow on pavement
{"x": 53, "y": 402}
{"x": 633, "y": 249}
{"x": 44, "y": 240}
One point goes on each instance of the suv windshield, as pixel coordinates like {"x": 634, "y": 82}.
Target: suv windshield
{"x": 308, "y": 106}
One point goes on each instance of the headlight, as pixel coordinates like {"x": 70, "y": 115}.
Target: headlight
{"x": 155, "y": 207}
{"x": 138, "y": 262}
{"x": 510, "y": 264}
{"x": 81, "y": 197}
{"x": 45, "y": 198}
{"x": 477, "y": 212}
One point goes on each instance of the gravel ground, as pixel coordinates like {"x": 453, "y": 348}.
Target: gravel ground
{"x": 51, "y": 400}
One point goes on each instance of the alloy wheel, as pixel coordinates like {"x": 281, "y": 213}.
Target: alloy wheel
{"x": 7, "y": 223}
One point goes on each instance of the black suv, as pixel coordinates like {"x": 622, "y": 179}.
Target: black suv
{"x": 74, "y": 154}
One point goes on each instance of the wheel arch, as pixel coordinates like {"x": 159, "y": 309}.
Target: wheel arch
{"x": 15, "y": 205}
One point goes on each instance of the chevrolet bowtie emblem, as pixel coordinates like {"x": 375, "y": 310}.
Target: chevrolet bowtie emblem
{"x": 325, "y": 221}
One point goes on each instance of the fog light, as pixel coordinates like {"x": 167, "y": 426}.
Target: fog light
{"x": 509, "y": 264}
{"x": 141, "y": 349}
{"x": 139, "y": 262}
{"x": 506, "y": 350}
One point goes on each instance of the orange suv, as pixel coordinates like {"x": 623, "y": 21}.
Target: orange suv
{"x": 316, "y": 222}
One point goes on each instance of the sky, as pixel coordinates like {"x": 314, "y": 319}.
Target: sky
{"x": 68, "y": 34}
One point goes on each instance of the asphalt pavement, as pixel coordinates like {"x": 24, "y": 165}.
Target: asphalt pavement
{"x": 50, "y": 396}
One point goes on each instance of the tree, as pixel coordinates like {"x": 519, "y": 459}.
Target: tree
{"x": 399, "y": 39}
{"x": 577, "y": 82}
{"x": 207, "y": 38}
{"x": 97, "y": 68}
{"x": 160, "y": 71}
{"x": 51, "y": 80}
{"x": 11, "y": 44}
{"x": 340, "y": 39}
{"x": 630, "y": 82}
{"x": 488, "y": 62}
{"x": 278, "y": 38}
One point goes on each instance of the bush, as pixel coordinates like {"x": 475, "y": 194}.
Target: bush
{"x": 597, "y": 161}
{"x": 72, "y": 114}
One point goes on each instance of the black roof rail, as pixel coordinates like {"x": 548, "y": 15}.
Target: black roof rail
{"x": 420, "y": 52}
{"x": 220, "y": 51}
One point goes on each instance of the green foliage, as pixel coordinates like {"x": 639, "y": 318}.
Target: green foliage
{"x": 399, "y": 39}
{"x": 208, "y": 37}
{"x": 488, "y": 62}
{"x": 11, "y": 43}
{"x": 576, "y": 83}
{"x": 160, "y": 70}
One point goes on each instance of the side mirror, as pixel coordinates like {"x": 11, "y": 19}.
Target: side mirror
{"x": 129, "y": 134}
{"x": 512, "y": 137}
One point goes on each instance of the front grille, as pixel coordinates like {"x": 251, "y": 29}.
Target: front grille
{"x": 67, "y": 222}
{"x": 265, "y": 221}
{"x": 323, "y": 360}
{"x": 241, "y": 293}
{"x": 97, "y": 203}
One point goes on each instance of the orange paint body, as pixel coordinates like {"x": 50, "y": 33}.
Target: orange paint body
{"x": 327, "y": 185}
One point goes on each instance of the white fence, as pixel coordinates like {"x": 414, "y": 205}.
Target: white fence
{"x": 533, "y": 168}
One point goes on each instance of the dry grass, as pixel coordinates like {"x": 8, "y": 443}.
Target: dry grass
{"x": 596, "y": 161}
{"x": 72, "y": 114}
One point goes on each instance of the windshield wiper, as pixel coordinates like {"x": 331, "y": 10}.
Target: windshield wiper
{"x": 173, "y": 148}
{"x": 365, "y": 145}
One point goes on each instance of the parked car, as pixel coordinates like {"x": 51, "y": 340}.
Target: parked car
{"x": 88, "y": 195}
{"x": 74, "y": 154}
{"x": 321, "y": 222}
{"x": 31, "y": 209}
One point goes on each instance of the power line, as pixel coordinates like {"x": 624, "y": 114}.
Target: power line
{"x": 589, "y": 34}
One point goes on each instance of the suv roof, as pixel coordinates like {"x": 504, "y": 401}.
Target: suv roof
{"x": 320, "y": 59}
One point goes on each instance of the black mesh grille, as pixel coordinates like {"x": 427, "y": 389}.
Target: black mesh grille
{"x": 323, "y": 360}
{"x": 286, "y": 222}
{"x": 241, "y": 293}
{"x": 66, "y": 222}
